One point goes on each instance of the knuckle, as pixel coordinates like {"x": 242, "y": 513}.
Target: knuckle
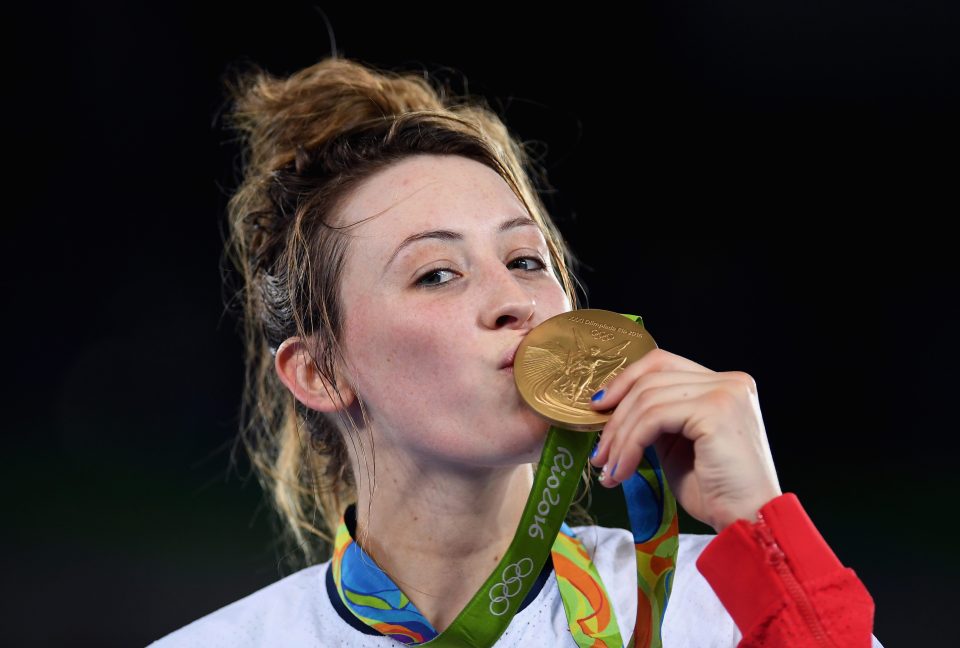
{"x": 651, "y": 413}
{"x": 607, "y": 443}
{"x": 631, "y": 371}
{"x": 747, "y": 380}
{"x": 641, "y": 401}
{"x": 722, "y": 399}
{"x": 619, "y": 442}
{"x": 610, "y": 428}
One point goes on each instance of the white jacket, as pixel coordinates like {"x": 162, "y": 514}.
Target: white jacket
{"x": 296, "y": 611}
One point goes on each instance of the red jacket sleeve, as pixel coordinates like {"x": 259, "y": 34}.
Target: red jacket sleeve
{"x": 783, "y": 585}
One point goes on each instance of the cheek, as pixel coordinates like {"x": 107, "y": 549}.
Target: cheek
{"x": 401, "y": 356}
{"x": 559, "y": 302}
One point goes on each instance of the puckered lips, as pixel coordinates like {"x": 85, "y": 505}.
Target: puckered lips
{"x": 506, "y": 361}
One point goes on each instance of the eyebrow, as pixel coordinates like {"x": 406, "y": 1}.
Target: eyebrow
{"x": 448, "y": 235}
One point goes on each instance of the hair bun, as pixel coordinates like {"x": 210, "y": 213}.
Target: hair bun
{"x": 283, "y": 118}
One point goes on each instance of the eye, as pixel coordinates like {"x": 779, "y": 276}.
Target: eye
{"x": 431, "y": 274}
{"x": 531, "y": 258}
{"x": 436, "y": 272}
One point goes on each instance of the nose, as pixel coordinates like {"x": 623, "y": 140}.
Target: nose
{"x": 509, "y": 303}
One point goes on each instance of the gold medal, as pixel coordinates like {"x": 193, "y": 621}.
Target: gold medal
{"x": 562, "y": 362}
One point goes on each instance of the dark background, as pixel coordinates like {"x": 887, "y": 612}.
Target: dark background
{"x": 769, "y": 184}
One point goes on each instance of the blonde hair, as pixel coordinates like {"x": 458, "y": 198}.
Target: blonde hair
{"x": 308, "y": 139}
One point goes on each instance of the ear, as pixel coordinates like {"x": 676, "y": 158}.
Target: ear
{"x": 296, "y": 370}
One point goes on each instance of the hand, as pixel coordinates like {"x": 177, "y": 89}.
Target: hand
{"x": 706, "y": 428}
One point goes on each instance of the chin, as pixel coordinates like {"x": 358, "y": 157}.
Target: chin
{"x": 538, "y": 437}
{"x": 538, "y": 425}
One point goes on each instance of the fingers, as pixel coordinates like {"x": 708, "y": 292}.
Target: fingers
{"x": 641, "y": 418}
{"x": 623, "y": 452}
{"x": 655, "y": 361}
{"x": 648, "y": 390}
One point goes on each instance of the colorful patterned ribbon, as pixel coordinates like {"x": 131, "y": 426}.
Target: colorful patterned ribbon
{"x": 375, "y": 599}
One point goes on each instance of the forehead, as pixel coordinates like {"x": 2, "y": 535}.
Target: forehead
{"x": 429, "y": 191}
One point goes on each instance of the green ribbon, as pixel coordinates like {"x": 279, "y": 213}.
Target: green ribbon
{"x": 491, "y": 609}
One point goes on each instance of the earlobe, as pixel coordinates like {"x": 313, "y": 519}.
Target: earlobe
{"x": 297, "y": 371}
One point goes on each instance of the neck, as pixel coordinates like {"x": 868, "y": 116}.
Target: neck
{"x": 439, "y": 531}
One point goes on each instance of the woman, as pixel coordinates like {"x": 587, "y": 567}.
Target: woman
{"x": 394, "y": 253}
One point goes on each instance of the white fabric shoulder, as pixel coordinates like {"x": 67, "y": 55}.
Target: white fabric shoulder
{"x": 296, "y": 612}
{"x": 283, "y": 613}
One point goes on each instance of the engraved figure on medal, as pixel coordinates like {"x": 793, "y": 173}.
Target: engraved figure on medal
{"x": 563, "y": 361}
{"x": 565, "y": 379}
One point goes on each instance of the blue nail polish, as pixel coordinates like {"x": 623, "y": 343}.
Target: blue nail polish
{"x": 598, "y": 395}
{"x": 596, "y": 448}
{"x": 614, "y": 471}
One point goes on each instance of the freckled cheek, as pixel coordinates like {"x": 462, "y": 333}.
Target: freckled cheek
{"x": 402, "y": 357}
{"x": 555, "y": 302}
{"x": 424, "y": 353}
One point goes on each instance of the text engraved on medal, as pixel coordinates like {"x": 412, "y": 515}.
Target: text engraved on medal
{"x": 576, "y": 319}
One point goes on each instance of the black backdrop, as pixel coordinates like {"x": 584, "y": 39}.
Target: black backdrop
{"x": 769, "y": 184}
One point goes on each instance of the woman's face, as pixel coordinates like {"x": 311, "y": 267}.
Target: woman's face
{"x": 430, "y": 319}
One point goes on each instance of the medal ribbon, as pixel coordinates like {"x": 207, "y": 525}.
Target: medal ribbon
{"x": 373, "y": 597}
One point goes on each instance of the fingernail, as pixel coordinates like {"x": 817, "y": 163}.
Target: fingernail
{"x": 598, "y": 395}
{"x": 596, "y": 448}
{"x": 613, "y": 472}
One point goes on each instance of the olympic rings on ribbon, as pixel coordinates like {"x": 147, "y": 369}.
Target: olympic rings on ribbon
{"x": 510, "y": 585}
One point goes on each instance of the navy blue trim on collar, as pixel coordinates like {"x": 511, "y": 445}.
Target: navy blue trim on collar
{"x": 356, "y": 623}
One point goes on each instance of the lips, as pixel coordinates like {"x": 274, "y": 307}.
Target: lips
{"x": 507, "y": 360}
